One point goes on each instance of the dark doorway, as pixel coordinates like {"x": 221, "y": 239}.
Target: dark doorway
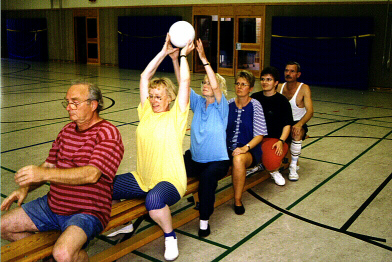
{"x": 80, "y": 40}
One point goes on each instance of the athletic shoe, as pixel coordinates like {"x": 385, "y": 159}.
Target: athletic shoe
{"x": 277, "y": 176}
{"x": 257, "y": 168}
{"x": 171, "y": 248}
{"x": 124, "y": 230}
{"x": 293, "y": 175}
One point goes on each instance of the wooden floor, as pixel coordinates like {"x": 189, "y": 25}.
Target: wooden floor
{"x": 339, "y": 210}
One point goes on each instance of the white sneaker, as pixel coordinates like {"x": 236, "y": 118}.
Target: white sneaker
{"x": 171, "y": 248}
{"x": 124, "y": 230}
{"x": 293, "y": 175}
{"x": 257, "y": 168}
{"x": 279, "y": 180}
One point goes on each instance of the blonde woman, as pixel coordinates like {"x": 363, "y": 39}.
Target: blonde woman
{"x": 207, "y": 158}
{"x": 160, "y": 174}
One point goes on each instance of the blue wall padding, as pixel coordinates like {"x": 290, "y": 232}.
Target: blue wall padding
{"x": 324, "y": 48}
{"x": 27, "y": 39}
{"x": 140, "y": 38}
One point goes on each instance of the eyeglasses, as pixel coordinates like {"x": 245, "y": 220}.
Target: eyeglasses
{"x": 73, "y": 105}
{"x": 159, "y": 98}
{"x": 241, "y": 84}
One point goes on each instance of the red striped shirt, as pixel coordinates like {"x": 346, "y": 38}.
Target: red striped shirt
{"x": 99, "y": 146}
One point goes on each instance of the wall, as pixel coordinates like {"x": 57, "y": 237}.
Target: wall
{"x": 47, "y": 4}
{"x": 60, "y": 31}
{"x": 379, "y": 75}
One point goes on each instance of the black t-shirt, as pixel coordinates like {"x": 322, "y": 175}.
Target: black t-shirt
{"x": 277, "y": 112}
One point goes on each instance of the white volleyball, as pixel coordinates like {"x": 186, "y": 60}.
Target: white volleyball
{"x": 180, "y": 33}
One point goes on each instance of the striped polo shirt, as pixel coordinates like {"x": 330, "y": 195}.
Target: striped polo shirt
{"x": 99, "y": 146}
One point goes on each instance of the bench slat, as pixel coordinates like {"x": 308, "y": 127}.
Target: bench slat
{"x": 140, "y": 239}
{"x": 31, "y": 246}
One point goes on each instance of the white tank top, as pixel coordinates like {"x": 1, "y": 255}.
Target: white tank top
{"x": 298, "y": 112}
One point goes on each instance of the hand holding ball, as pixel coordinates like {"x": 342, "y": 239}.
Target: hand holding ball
{"x": 180, "y": 33}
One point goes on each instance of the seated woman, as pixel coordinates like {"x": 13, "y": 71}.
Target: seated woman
{"x": 160, "y": 174}
{"x": 245, "y": 130}
{"x": 207, "y": 157}
{"x": 279, "y": 119}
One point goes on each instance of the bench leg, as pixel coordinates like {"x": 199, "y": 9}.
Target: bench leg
{"x": 135, "y": 226}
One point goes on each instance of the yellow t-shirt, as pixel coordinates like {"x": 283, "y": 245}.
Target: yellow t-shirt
{"x": 159, "y": 139}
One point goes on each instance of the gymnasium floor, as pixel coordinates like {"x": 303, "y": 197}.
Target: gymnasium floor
{"x": 339, "y": 210}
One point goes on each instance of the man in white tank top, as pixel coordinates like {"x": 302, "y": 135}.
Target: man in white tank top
{"x": 300, "y": 99}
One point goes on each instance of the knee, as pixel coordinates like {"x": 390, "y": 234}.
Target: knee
{"x": 62, "y": 254}
{"x": 239, "y": 161}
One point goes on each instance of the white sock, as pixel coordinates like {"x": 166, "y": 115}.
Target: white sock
{"x": 203, "y": 224}
{"x": 295, "y": 149}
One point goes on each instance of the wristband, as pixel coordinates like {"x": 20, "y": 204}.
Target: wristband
{"x": 281, "y": 140}
{"x": 208, "y": 63}
{"x": 182, "y": 56}
{"x": 248, "y": 147}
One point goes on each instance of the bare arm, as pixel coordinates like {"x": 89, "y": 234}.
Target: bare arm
{"x": 31, "y": 175}
{"x": 174, "y": 53}
{"x": 210, "y": 72}
{"x": 21, "y": 193}
{"x": 185, "y": 77}
{"x": 309, "y": 110}
{"x": 279, "y": 145}
{"x": 151, "y": 68}
{"x": 252, "y": 143}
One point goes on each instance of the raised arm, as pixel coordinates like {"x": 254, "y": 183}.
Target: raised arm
{"x": 185, "y": 77}
{"x": 174, "y": 53}
{"x": 151, "y": 68}
{"x": 210, "y": 72}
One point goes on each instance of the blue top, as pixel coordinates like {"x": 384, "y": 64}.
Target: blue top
{"x": 208, "y": 129}
{"x": 244, "y": 124}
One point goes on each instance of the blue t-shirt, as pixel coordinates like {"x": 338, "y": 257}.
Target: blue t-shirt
{"x": 208, "y": 129}
{"x": 244, "y": 124}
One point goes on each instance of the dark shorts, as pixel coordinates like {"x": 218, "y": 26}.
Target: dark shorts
{"x": 45, "y": 220}
{"x": 305, "y": 127}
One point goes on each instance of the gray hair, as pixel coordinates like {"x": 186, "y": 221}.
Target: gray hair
{"x": 95, "y": 93}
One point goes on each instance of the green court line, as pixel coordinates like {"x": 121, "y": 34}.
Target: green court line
{"x": 202, "y": 239}
{"x": 7, "y": 169}
{"x": 248, "y": 237}
{"x": 343, "y": 126}
{"x": 341, "y": 103}
{"x": 322, "y": 161}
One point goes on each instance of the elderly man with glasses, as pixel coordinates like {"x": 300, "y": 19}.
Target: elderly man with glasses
{"x": 80, "y": 168}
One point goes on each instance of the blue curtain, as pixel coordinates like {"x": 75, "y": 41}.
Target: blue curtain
{"x": 332, "y": 51}
{"x": 140, "y": 38}
{"x": 27, "y": 39}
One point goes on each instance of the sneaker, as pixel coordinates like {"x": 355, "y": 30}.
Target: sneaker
{"x": 171, "y": 248}
{"x": 293, "y": 175}
{"x": 279, "y": 180}
{"x": 256, "y": 169}
{"x": 124, "y": 230}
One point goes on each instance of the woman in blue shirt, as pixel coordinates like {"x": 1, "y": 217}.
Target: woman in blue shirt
{"x": 207, "y": 158}
{"x": 245, "y": 130}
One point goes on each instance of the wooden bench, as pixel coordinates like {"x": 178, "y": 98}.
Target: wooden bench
{"x": 40, "y": 245}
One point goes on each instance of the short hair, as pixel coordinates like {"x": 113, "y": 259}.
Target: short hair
{"x": 166, "y": 83}
{"x": 271, "y": 71}
{"x": 94, "y": 92}
{"x": 221, "y": 83}
{"x": 294, "y": 63}
{"x": 248, "y": 76}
